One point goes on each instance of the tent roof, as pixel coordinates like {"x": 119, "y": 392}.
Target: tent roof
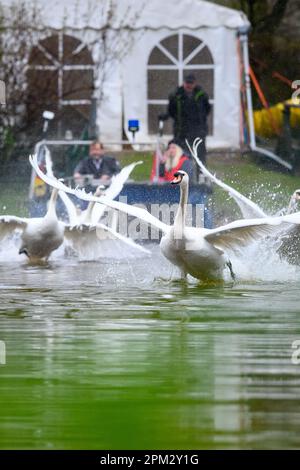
{"x": 193, "y": 14}
{"x": 152, "y": 14}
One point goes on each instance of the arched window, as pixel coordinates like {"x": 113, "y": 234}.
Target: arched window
{"x": 61, "y": 79}
{"x": 169, "y": 61}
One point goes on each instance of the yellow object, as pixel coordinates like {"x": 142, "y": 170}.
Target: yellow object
{"x": 39, "y": 187}
{"x": 262, "y": 121}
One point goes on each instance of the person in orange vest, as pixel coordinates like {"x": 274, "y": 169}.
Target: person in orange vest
{"x": 172, "y": 160}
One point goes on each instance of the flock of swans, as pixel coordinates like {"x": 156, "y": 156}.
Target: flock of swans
{"x": 200, "y": 252}
{"x": 42, "y": 235}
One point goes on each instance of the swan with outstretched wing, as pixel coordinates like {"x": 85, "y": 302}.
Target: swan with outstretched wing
{"x": 39, "y": 236}
{"x": 288, "y": 235}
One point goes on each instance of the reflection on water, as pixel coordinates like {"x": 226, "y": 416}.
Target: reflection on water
{"x": 112, "y": 354}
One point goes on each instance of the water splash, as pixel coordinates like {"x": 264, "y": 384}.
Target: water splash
{"x": 261, "y": 262}
{"x": 9, "y": 249}
{"x": 271, "y": 198}
{"x": 107, "y": 249}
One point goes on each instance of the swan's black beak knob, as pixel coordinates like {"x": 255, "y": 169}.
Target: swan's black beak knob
{"x": 177, "y": 178}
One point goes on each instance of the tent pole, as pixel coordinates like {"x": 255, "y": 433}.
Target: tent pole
{"x": 244, "y": 42}
{"x": 243, "y": 34}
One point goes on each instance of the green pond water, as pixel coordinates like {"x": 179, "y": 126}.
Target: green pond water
{"x": 111, "y": 355}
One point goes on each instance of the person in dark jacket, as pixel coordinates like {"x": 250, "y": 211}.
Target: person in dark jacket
{"x": 189, "y": 107}
{"x": 97, "y": 164}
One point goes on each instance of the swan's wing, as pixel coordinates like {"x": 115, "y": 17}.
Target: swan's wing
{"x": 134, "y": 211}
{"x": 9, "y": 223}
{"x": 114, "y": 189}
{"x": 115, "y": 235}
{"x": 76, "y": 234}
{"x": 71, "y": 209}
{"x": 242, "y": 232}
{"x": 248, "y": 208}
{"x": 84, "y": 241}
{"x": 292, "y": 218}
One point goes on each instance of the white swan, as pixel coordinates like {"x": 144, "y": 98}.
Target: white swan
{"x": 200, "y": 252}
{"x": 196, "y": 251}
{"x": 40, "y": 236}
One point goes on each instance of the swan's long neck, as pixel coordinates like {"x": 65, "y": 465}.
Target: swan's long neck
{"x": 90, "y": 207}
{"x": 52, "y": 203}
{"x": 179, "y": 222}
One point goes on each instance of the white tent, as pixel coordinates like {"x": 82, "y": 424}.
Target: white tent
{"x": 163, "y": 40}
{"x": 216, "y": 28}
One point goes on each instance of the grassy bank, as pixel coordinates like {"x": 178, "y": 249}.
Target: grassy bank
{"x": 14, "y": 197}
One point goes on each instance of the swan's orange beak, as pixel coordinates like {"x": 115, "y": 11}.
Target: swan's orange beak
{"x": 177, "y": 179}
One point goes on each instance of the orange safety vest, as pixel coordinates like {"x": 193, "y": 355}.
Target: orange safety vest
{"x": 168, "y": 175}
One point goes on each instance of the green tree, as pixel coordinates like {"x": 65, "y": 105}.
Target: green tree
{"x": 272, "y": 52}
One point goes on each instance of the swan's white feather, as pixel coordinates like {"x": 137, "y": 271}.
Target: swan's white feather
{"x": 71, "y": 209}
{"x": 239, "y": 233}
{"x": 134, "y": 211}
{"x": 9, "y": 223}
{"x": 42, "y": 235}
{"x": 97, "y": 233}
{"x": 292, "y": 218}
{"x": 116, "y": 186}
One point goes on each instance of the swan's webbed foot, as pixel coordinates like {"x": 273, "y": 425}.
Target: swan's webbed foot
{"x": 229, "y": 265}
{"x": 23, "y": 251}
